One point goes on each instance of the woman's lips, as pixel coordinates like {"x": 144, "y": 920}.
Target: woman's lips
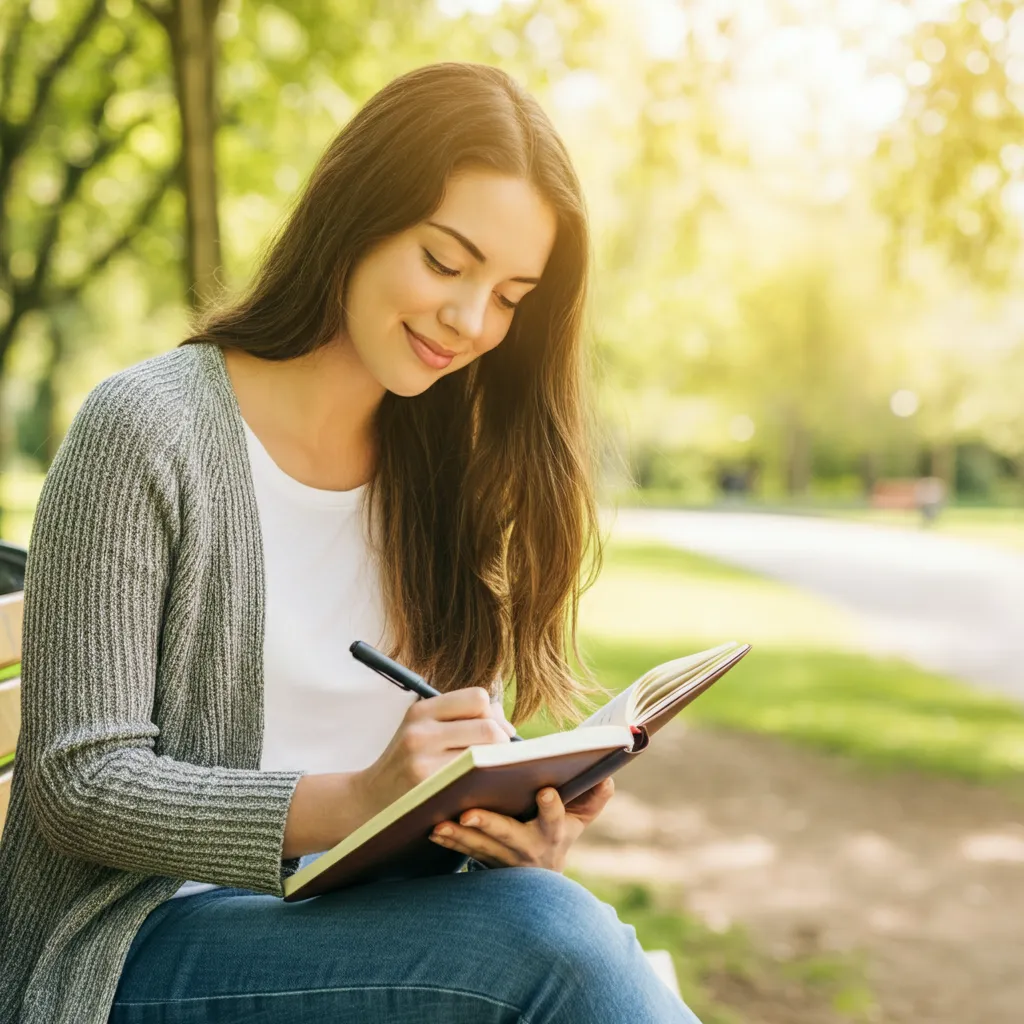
{"x": 435, "y": 360}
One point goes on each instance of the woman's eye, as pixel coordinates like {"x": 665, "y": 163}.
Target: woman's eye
{"x": 440, "y": 268}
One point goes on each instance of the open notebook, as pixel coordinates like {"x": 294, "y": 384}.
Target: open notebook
{"x": 505, "y": 777}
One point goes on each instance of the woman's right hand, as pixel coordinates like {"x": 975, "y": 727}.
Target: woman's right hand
{"x": 433, "y": 733}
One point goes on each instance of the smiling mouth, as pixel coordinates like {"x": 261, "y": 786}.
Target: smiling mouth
{"x": 432, "y": 345}
{"x": 428, "y": 352}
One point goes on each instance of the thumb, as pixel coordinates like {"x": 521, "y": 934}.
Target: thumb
{"x": 551, "y": 813}
{"x": 589, "y": 805}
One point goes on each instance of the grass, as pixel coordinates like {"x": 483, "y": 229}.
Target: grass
{"x": 654, "y": 593}
{"x": 717, "y": 969}
{"x": 884, "y": 713}
{"x": 803, "y": 682}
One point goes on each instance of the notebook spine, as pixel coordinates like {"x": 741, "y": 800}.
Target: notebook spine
{"x": 605, "y": 767}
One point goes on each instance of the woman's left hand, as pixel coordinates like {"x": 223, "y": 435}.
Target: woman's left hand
{"x": 499, "y": 841}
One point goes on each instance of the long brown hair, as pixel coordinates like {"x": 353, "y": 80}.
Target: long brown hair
{"x": 481, "y": 503}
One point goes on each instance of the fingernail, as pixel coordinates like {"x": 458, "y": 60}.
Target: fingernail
{"x": 444, "y": 830}
{"x": 547, "y": 796}
{"x": 439, "y": 840}
{"x": 471, "y": 821}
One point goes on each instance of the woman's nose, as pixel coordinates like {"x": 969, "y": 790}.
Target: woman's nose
{"x": 467, "y": 315}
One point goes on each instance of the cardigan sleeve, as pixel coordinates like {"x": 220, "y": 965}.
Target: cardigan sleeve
{"x": 100, "y": 556}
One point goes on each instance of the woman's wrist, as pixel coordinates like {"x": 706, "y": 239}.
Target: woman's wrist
{"x": 325, "y": 808}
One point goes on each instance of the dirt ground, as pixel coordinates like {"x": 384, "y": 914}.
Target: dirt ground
{"x": 922, "y": 876}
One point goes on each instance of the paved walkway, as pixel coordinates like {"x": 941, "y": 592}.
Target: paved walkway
{"x": 946, "y": 604}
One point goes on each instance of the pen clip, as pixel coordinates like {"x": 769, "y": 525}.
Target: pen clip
{"x": 392, "y": 679}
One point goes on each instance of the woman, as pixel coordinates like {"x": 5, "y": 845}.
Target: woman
{"x": 384, "y": 440}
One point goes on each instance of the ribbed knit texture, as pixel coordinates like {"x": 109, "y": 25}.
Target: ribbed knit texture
{"x": 137, "y": 766}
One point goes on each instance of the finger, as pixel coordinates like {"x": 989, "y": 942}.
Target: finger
{"x": 512, "y": 834}
{"x": 487, "y": 861}
{"x": 551, "y": 815}
{"x": 498, "y": 714}
{"x": 472, "y": 702}
{"x": 475, "y": 844}
{"x": 469, "y": 732}
{"x": 589, "y": 805}
{"x": 599, "y": 795}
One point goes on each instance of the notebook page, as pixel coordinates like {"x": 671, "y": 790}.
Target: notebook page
{"x": 619, "y": 710}
{"x": 694, "y": 681}
{"x": 630, "y": 707}
{"x": 673, "y": 677}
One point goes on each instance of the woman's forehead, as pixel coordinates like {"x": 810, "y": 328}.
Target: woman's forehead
{"x": 505, "y": 219}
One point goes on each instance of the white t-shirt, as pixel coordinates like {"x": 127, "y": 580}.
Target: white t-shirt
{"x": 323, "y": 710}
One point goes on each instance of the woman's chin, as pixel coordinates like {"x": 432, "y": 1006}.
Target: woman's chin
{"x": 408, "y": 378}
{"x": 408, "y": 383}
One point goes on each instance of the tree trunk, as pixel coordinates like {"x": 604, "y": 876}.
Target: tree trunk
{"x": 868, "y": 472}
{"x": 798, "y": 459}
{"x": 194, "y": 48}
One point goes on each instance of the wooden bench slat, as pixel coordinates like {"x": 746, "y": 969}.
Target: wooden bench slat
{"x": 5, "y": 796}
{"x": 10, "y": 715}
{"x": 12, "y": 609}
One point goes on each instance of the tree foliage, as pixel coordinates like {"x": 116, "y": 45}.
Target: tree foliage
{"x": 85, "y": 155}
{"x": 746, "y": 309}
{"x": 953, "y": 166}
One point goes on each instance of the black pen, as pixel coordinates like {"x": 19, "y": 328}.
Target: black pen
{"x": 395, "y": 673}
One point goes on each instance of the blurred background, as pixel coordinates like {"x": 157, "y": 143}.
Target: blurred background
{"x": 809, "y": 329}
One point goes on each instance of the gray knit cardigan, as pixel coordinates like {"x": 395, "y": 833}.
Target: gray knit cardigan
{"x": 142, "y": 687}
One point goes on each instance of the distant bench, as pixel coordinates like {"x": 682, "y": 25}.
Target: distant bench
{"x": 925, "y": 494}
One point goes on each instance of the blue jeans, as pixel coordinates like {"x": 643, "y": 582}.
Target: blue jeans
{"x": 506, "y": 946}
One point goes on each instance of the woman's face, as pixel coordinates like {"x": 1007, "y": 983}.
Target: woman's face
{"x": 433, "y": 298}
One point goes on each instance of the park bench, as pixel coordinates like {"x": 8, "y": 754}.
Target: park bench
{"x": 12, "y": 580}
{"x": 924, "y": 494}
{"x": 10, "y": 693}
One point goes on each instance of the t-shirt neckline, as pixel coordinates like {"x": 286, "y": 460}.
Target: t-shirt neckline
{"x": 295, "y": 489}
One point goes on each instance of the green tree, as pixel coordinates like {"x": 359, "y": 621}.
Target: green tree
{"x": 83, "y": 162}
{"x": 799, "y": 364}
{"x": 79, "y": 170}
{"x": 951, "y": 171}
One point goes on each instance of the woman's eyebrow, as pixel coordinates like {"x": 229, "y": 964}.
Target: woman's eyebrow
{"x": 473, "y": 250}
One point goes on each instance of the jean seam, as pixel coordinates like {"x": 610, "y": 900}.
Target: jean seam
{"x": 341, "y": 988}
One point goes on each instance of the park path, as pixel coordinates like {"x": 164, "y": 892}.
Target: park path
{"x": 919, "y": 877}
{"x": 946, "y": 604}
